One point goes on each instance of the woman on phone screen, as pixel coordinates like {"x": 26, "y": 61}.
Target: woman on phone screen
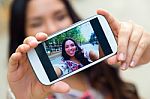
{"x": 74, "y": 57}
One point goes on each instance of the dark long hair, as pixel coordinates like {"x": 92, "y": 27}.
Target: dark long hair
{"x": 79, "y": 55}
{"x": 17, "y": 22}
{"x": 102, "y": 76}
{"x": 106, "y": 79}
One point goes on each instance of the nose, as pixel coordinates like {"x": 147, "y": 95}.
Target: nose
{"x": 70, "y": 48}
{"x": 51, "y": 28}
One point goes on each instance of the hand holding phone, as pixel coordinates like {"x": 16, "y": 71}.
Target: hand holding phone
{"x": 72, "y": 50}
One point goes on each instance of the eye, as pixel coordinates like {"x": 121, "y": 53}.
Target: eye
{"x": 36, "y": 24}
{"x": 66, "y": 46}
{"x": 72, "y": 45}
{"x": 61, "y": 17}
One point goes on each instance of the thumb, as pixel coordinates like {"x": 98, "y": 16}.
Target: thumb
{"x": 114, "y": 23}
{"x": 60, "y": 87}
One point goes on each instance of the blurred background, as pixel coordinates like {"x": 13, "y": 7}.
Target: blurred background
{"x": 124, "y": 10}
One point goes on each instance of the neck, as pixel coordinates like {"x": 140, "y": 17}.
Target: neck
{"x": 74, "y": 60}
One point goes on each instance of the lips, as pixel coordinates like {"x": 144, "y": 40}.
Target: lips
{"x": 71, "y": 52}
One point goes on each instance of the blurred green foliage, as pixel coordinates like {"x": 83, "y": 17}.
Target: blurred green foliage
{"x": 74, "y": 33}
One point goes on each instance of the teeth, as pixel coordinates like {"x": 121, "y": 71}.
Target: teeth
{"x": 71, "y": 51}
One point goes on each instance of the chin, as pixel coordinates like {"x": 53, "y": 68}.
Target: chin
{"x": 71, "y": 55}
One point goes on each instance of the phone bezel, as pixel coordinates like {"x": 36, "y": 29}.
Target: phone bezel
{"x": 35, "y": 61}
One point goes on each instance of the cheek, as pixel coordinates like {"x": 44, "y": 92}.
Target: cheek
{"x": 65, "y": 23}
{"x": 75, "y": 48}
{"x": 66, "y": 49}
{"x": 69, "y": 22}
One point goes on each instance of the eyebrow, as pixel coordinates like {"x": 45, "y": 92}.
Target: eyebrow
{"x": 57, "y": 12}
{"x": 60, "y": 11}
{"x": 35, "y": 18}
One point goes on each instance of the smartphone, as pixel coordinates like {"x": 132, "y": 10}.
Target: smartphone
{"x": 68, "y": 51}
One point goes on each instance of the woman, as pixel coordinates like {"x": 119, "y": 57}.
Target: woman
{"x": 29, "y": 17}
{"x": 74, "y": 57}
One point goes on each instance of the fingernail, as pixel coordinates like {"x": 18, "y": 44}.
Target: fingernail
{"x": 40, "y": 33}
{"x": 124, "y": 66}
{"x": 33, "y": 42}
{"x": 121, "y": 57}
{"x": 132, "y": 64}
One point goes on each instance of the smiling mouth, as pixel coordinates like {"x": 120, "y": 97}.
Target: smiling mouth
{"x": 71, "y": 52}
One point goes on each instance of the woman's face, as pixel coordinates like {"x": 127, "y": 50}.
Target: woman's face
{"x": 46, "y": 16}
{"x": 70, "y": 48}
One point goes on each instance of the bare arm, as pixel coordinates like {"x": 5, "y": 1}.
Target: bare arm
{"x": 58, "y": 71}
{"x": 93, "y": 55}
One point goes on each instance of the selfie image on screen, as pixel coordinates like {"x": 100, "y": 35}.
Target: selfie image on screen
{"x": 71, "y": 50}
{"x": 75, "y": 48}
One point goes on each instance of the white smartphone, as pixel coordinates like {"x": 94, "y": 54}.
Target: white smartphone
{"x": 68, "y": 51}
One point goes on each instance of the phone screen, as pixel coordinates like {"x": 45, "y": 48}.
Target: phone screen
{"x": 73, "y": 49}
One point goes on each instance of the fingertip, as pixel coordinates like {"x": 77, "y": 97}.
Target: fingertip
{"x": 102, "y": 12}
{"x": 33, "y": 43}
{"x": 121, "y": 56}
{"x": 112, "y": 60}
{"x": 27, "y": 47}
{"x": 113, "y": 22}
{"x": 124, "y": 66}
{"x": 61, "y": 87}
{"x": 132, "y": 64}
{"x": 23, "y": 48}
{"x": 16, "y": 55}
{"x": 14, "y": 58}
{"x": 41, "y": 36}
